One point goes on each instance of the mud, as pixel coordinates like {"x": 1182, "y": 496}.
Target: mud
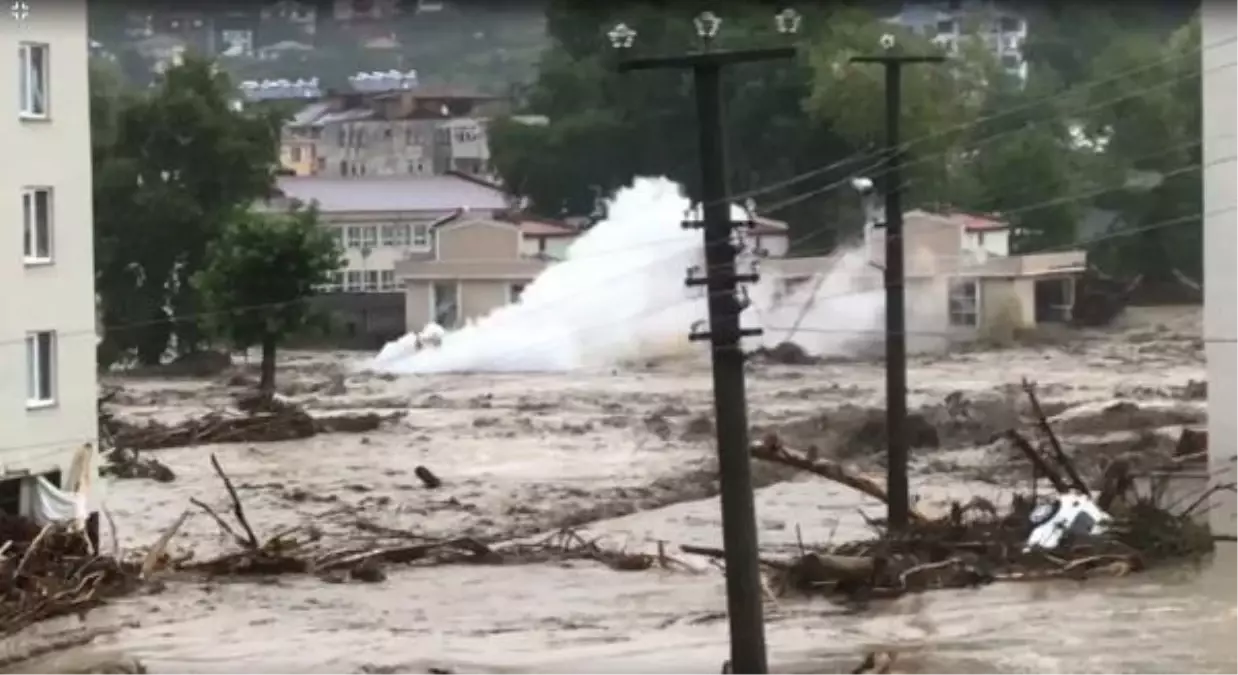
{"x": 628, "y": 454}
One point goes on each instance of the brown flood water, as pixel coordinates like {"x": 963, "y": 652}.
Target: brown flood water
{"x": 527, "y": 453}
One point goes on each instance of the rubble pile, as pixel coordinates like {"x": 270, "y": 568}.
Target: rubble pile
{"x": 1076, "y": 530}
{"x": 52, "y": 571}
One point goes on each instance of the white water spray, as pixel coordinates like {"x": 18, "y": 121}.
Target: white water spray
{"x": 619, "y": 294}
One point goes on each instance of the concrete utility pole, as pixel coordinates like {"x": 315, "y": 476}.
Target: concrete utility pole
{"x": 739, "y": 529}
{"x": 896, "y": 311}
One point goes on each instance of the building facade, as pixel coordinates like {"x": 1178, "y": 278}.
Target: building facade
{"x": 949, "y": 24}
{"x": 398, "y": 133}
{"x": 381, "y": 221}
{"x": 47, "y": 311}
{"x": 1220, "y": 248}
{"x": 962, "y": 283}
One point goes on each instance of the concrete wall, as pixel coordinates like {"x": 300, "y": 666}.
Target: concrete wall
{"x": 477, "y": 298}
{"x": 51, "y": 152}
{"x": 1220, "y": 250}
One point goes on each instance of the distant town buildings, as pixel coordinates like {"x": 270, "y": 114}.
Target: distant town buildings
{"x": 950, "y": 24}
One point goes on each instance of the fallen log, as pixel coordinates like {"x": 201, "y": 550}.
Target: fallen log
{"x": 772, "y": 450}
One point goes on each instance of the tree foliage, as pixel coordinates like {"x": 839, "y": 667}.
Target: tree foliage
{"x": 172, "y": 164}
{"x": 1047, "y": 153}
{"x": 260, "y": 272}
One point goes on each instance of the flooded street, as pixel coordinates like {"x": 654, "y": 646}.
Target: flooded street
{"x": 626, "y": 455}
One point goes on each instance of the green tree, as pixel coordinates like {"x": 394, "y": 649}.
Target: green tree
{"x": 1147, "y": 104}
{"x": 259, "y": 275}
{"x": 606, "y": 127}
{"x": 171, "y": 165}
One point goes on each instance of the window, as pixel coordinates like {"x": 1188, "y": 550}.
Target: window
{"x": 33, "y": 79}
{"x": 343, "y": 167}
{"x": 369, "y": 237}
{"x": 352, "y": 282}
{"x": 343, "y": 139}
{"x": 386, "y": 280}
{"x": 40, "y": 369}
{"x": 371, "y": 280}
{"x": 295, "y": 152}
{"x": 963, "y": 302}
{"x": 354, "y": 236}
{"x": 396, "y": 235}
{"x": 36, "y": 205}
{"x": 337, "y": 281}
{"x": 322, "y": 164}
{"x": 945, "y": 26}
{"x": 421, "y": 236}
{"x": 514, "y": 292}
{"x": 1010, "y": 61}
{"x": 1009, "y": 24}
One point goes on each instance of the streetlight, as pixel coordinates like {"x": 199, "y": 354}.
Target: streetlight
{"x": 621, "y": 36}
{"x": 788, "y": 21}
{"x": 707, "y": 25}
{"x": 726, "y": 300}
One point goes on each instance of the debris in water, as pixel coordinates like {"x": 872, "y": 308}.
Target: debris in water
{"x": 1071, "y": 513}
{"x": 53, "y": 571}
{"x": 976, "y": 543}
{"x": 269, "y": 419}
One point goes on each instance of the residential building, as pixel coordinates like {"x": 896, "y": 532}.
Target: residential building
{"x": 476, "y": 265}
{"x": 1220, "y": 246}
{"x": 546, "y": 239}
{"x": 962, "y": 283}
{"x": 47, "y": 310}
{"x": 380, "y": 222}
{"x": 949, "y": 24}
{"x": 418, "y": 131}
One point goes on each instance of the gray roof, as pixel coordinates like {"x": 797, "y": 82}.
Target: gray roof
{"x": 392, "y": 193}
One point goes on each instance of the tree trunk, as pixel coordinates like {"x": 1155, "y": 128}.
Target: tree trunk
{"x": 267, "y": 383}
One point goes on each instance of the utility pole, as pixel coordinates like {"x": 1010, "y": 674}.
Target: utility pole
{"x": 896, "y": 312}
{"x": 739, "y": 529}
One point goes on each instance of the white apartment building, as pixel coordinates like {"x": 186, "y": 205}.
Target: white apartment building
{"x": 1220, "y": 248}
{"x": 948, "y": 24}
{"x": 47, "y": 310}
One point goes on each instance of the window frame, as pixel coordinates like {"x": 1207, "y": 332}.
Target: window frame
{"x": 963, "y": 307}
{"x": 38, "y": 354}
{"x": 27, "y": 110}
{"x": 31, "y": 255}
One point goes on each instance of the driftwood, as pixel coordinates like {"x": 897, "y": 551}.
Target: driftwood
{"x": 52, "y": 571}
{"x": 1075, "y": 480}
{"x": 977, "y": 543}
{"x": 260, "y": 427}
{"x": 771, "y": 450}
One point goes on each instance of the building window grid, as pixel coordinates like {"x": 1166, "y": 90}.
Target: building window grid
{"x": 964, "y": 302}
{"x": 40, "y": 369}
{"x": 33, "y": 79}
{"x": 37, "y": 225}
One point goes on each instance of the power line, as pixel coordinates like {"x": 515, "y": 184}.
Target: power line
{"x": 1006, "y": 112}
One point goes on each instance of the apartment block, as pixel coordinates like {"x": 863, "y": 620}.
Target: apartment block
{"x": 47, "y": 310}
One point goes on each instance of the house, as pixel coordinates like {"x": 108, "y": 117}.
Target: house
{"x": 392, "y": 130}
{"x": 47, "y": 312}
{"x": 962, "y": 282}
{"x": 1220, "y": 227}
{"x": 948, "y": 24}
{"x": 382, "y": 221}
{"x": 476, "y": 264}
{"x": 768, "y": 237}
{"x": 547, "y": 239}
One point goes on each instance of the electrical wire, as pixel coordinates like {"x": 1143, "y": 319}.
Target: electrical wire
{"x": 1002, "y": 114}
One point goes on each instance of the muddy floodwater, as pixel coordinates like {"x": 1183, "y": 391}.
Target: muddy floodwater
{"x": 627, "y": 455}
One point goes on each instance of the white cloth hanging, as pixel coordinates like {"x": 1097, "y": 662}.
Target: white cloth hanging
{"x": 49, "y": 504}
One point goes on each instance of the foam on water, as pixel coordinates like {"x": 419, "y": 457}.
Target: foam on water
{"x": 619, "y": 294}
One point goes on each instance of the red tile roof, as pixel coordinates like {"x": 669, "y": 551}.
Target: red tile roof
{"x": 977, "y": 223}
